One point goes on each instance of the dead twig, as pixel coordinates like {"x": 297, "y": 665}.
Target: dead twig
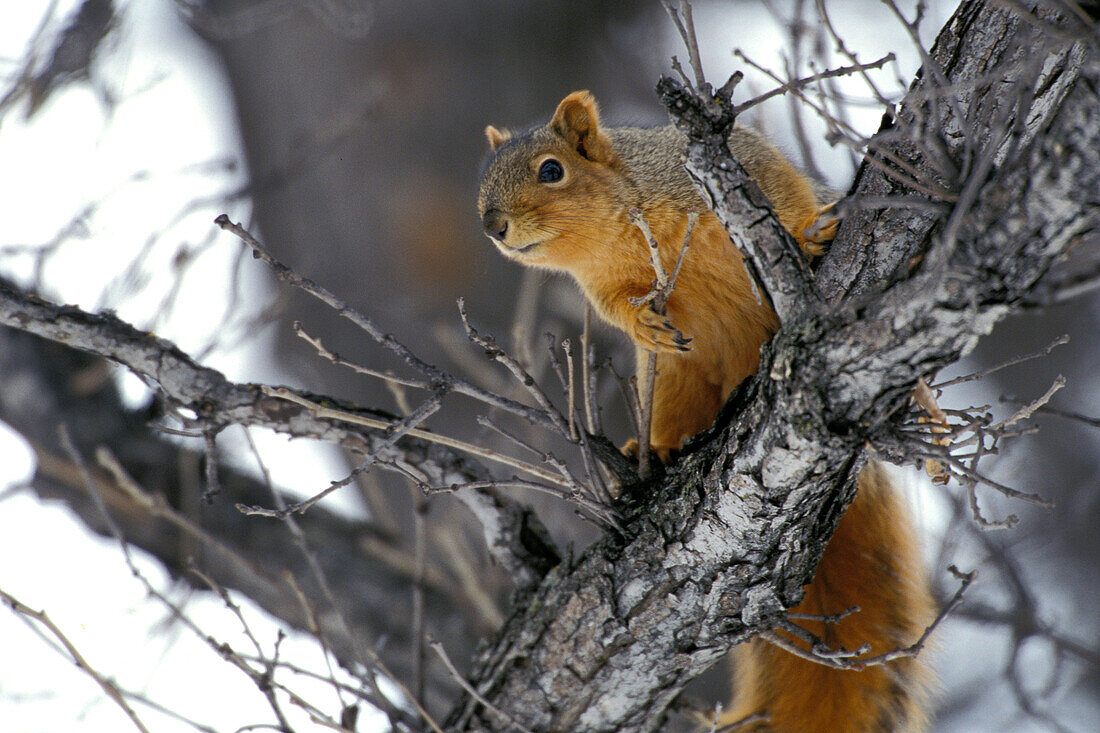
{"x": 335, "y": 358}
{"x": 436, "y": 377}
{"x": 494, "y": 352}
{"x": 681, "y": 16}
{"x": 505, "y": 717}
{"x": 844, "y": 659}
{"x": 108, "y": 686}
{"x": 656, "y": 299}
{"x": 395, "y": 431}
{"x": 371, "y": 422}
{"x": 806, "y": 81}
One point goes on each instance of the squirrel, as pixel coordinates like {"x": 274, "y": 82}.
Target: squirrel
{"x": 559, "y": 197}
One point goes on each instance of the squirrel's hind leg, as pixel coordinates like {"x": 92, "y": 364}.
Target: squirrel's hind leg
{"x": 818, "y": 230}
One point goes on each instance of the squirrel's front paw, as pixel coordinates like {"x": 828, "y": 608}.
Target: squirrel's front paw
{"x": 818, "y": 230}
{"x": 665, "y": 454}
{"x": 655, "y": 332}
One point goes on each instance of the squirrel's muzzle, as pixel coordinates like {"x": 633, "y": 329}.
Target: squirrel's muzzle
{"x": 495, "y": 224}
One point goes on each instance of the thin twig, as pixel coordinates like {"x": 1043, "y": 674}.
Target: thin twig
{"x": 805, "y": 81}
{"x": 831, "y": 618}
{"x": 601, "y": 513}
{"x": 262, "y": 682}
{"x": 575, "y": 486}
{"x": 366, "y": 656}
{"x": 1029, "y": 409}
{"x": 681, "y": 17}
{"x": 268, "y": 691}
{"x": 396, "y": 431}
{"x": 591, "y": 413}
{"x": 742, "y": 722}
{"x": 336, "y": 359}
{"x": 108, "y": 686}
{"x": 1068, "y": 414}
{"x": 158, "y": 507}
{"x": 508, "y": 719}
{"x": 911, "y": 176}
{"x": 656, "y": 298}
{"x": 850, "y": 55}
{"x": 299, "y": 536}
{"x": 578, "y": 492}
{"x": 370, "y": 422}
{"x": 843, "y": 659}
{"x": 571, "y": 390}
{"x": 436, "y": 377}
{"x": 494, "y": 352}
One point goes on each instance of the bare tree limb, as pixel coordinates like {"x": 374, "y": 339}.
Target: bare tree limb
{"x": 771, "y": 255}
{"x": 214, "y": 401}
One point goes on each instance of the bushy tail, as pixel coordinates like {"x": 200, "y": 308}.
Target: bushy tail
{"x": 873, "y": 562}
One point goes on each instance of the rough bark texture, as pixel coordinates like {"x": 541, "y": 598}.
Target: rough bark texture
{"x": 729, "y": 538}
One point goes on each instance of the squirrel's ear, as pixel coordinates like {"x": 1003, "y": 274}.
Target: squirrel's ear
{"x": 496, "y": 137}
{"x": 577, "y": 120}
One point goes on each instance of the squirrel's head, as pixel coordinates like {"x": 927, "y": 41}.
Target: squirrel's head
{"x": 542, "y": 191}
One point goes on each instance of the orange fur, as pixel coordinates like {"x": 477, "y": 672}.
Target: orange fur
{"x": 578, "y": 223}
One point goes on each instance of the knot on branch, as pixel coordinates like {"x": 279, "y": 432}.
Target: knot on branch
{"x": 700, "y": 113}
{"x": 440, "y": 386}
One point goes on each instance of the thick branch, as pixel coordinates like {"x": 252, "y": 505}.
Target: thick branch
{"x": 1001, "y": 80}
{"x": 217, "y": 403}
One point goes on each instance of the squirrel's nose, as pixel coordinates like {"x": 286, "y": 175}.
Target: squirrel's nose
{"x": 495, "y": 224}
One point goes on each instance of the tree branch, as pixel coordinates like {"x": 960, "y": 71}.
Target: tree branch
{"x": 772, "y": 257}
{"x": 216, "y": 402}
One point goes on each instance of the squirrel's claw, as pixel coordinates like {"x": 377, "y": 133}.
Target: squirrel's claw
{"x": 666, "y": 454}
{"x": 818, "y": 231}
{"x": 630, "y": 448}
{"x": 655, "y": 332}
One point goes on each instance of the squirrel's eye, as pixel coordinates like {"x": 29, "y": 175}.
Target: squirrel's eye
{"x": 550, "y": 171}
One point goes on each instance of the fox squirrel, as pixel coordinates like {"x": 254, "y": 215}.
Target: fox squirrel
{"x": 559, "y": 197}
